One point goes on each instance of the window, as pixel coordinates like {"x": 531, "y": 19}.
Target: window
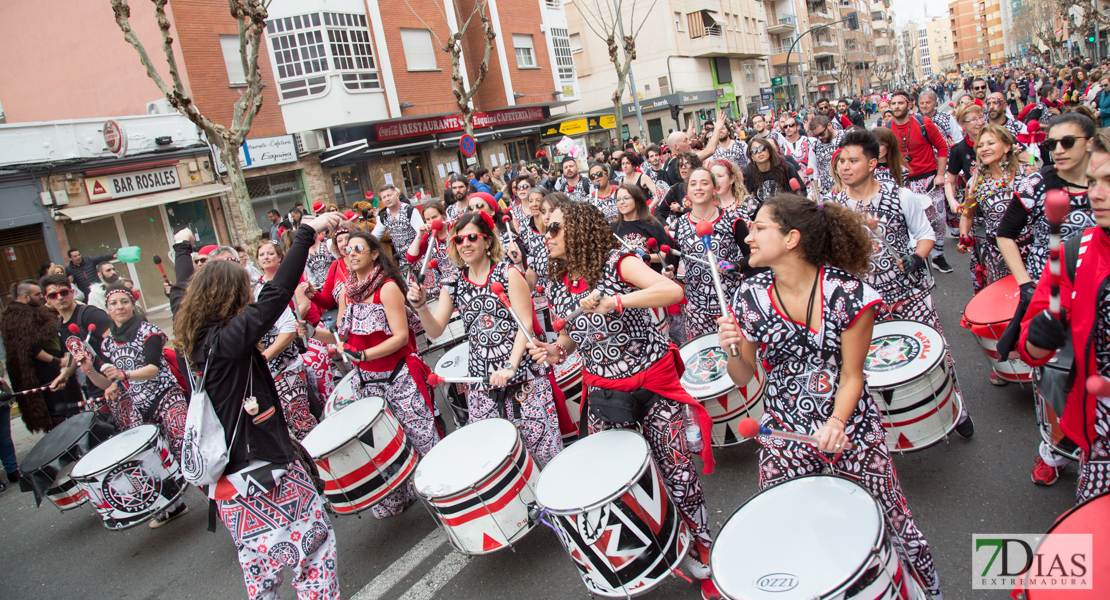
{"x": 298, "y": 47}
{"x": 525, "y": 54}
{"x": 232, "y": 60}
{"x": 678, "y": 21}
{"x": 563, "y": 50}
{"x": 412, "y": 172}
{"x": 349, "y": 42}
{"x": 664, "y": 86}
{"x": 420, "y": 54}
{"x": 575, "y": 43}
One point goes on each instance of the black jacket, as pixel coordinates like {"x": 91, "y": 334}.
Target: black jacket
{"x": 84, "y": 275}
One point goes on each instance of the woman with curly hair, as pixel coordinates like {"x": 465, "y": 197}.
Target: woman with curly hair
{"x": 732, "y": 196}
{"x": 518, "y": 388}
{"x": 809, "y": 318}
{"x": 729, "y": 230}
{"x": 769, "y": 174}
{"x": 617, "y": 291}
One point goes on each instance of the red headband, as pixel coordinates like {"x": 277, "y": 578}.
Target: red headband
{"x": 129, "y": 293}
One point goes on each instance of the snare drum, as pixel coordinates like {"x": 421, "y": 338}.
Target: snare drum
{"x": 455, "y": 362}
{"x": 478, "y": 483}
{"x": 45, "y": 470}
{"x": 987, "y": 316}
{"x": 362, "y": 456}
{"x": 794, "y": 559}
{"x": 706, "y": 379}
{"x": 130, "y": 478}
{"x": 568, "y": 376}
{"x": 1089, "y": 520}
{"x": 454, "y": 333}
{"x": 605, "y": 500}
{"x": 908, "y": 374}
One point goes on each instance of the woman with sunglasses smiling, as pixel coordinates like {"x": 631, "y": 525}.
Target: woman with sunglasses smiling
{"x": 519, "y": 389}
{"x": 435, "y": 242}
{"x": 769, "y": 174}
{"x": 149, "y": 392}
{"x": 522, "y": 185}
{"x": 622, "y": 351}
{"x": 604, "y": 194}
{"x": 326, "y": 297}
{"x": 729, "y": 231}
{"x": 808, "y": 320}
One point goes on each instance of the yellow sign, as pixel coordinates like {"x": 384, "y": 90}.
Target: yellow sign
{"x": 573, "y": 127}
{"x": 607, "y": 121}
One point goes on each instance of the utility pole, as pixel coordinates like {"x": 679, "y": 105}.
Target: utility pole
{"x": 631, "y": 80}
{"x": 1094, "y": 6}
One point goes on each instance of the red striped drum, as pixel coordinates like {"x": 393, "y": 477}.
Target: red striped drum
{"x": 908, "y": 374}
{"x": 706, "y": 379}
{"x": 568, "y": 376}
{"x": 987, "y": 315}
{"x": 363, "y": 455}
{"x": 478, "y": 483}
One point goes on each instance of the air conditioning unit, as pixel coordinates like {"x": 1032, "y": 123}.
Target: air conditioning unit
{"x": 160, "y": 106}
{"x": 309, "y": 142}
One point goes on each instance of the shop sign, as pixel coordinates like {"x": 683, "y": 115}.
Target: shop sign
{"x": 776, "y": 81}
{"x": 135, "y": 183}
{"x": 603, "y": 122}
{"x": 822, "y": 88}
{"x": 115, "y": 138}
{"x": 263, "y": 152}
{"x": 401, "y": 129}
{"x": 507, "y": 117}
{"x": 574, "y": 127}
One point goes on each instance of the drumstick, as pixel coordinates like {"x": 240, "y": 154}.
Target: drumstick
{"x": 436, "y": 226}
{"x": 499, "y": 289}
{"x": 158, "y": 262}
{"x": 1056, "y": 209}
{"x": 1098, "y": 386}
{"x": 705, "y": 230}
{"x": 561, "y": 324}
{"x": 665, "y": 249}
{"x": 749, "y": 429}
{"x": 434, "y": 380}
{"x": 300, "y": 341}
{"x": 4, "y": 397}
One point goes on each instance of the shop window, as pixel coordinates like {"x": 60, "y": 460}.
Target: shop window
{"x": 525, "y": 53}
{"x": 520, "y": 150}
{"x": 233, "y": 60}
{"x": 420, "y": 54}
{"x": 412, "y": 173}
{"x": 193, "y": 215}
{"x": 347, "y": 188}
{"x": 279, "y": 191}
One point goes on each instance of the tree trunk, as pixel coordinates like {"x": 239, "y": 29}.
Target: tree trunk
{"x": 242, "y": 221}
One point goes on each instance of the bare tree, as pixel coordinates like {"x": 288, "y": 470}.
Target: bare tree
{"x": 463, "y": 93}
{"x": 1040, "y": 19}
{"x": 1080, "y": 16}
{"x": 605, "y": 21}
{"x": 250, "y": 15}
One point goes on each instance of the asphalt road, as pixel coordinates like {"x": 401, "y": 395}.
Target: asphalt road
{"x": 954, "y": 489}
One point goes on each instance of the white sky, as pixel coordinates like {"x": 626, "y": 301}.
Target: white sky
{"x": 918, "y": 10}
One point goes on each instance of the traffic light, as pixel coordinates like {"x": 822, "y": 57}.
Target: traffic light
{"x": 853, "y": 21}
{"x": 1091, "y": 34}
{"x": 675, "y": 110}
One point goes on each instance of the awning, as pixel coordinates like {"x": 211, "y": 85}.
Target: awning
{"x": 113, "y": 207}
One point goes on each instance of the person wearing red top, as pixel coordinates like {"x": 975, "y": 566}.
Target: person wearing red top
{"x": 925, "y": 149}
{"x": 328, "y": 295}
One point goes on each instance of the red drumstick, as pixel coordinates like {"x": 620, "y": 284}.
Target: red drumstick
{"x": 561, "y": 324}
{"x": 1098, "y": 386}
{"x": 434, "y": 380}
{"x": 749, "y": 429}
{"x": 665, "y": 249}
{"x": 499, "y": 290}
{"x": 4, "y": 397}
{"x": 436, "y": 226}
{"x": 539, "y": 289}
{"x": 705, "y": 231}
{"x": 1056, "y": 209}
{"x": 158, "y": 262}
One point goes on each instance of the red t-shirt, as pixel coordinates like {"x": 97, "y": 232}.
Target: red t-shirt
{"x": 921, "y": 153}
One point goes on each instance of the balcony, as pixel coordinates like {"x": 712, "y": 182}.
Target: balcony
{"x": 785, "y": 24}
{"x": 819, "y": 13}
{"x": 779, "y": 60}
{"x": 824, "y": 48}
{"x": 827, "y": 76}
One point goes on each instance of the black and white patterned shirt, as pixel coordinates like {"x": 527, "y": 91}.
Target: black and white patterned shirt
{"x": 579, "y": 191}
{"x": 822, "y": 154}
{"x": 736, "y": 153}
{"x": 606, "y": 204}
{"x": 700, "y": 292}
{"x": 129, "y": 356}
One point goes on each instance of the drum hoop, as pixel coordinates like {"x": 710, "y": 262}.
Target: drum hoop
{"x": 361, "y": 432}
{"x": 708, "y": 396}
{"x": 608, "y": 499}
{"x": 473, "y": 487}
{"x": 148, "y": 445}
{"x": 941, "y": 357}
{"x": 68, "y": 448}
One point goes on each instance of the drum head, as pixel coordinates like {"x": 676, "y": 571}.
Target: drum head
{"x": 901, "y": 351}
{"x": 344, "y": 391}
{"x": 455, "y": 362}
{"x": 465, "y": 457}
{"x": 59, "y": 440}
{"x": 334, "y": 432}
{"x": 115, "y": 450}
{"x": 995, "y": 303}
{"x": 781, "y": 538}
{"x": 706, "y": 374}
{"x": 1089, "y": 518}
{"x": 592, "y": 470}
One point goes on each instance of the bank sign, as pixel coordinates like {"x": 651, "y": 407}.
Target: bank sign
{"x": 135, "y": 183}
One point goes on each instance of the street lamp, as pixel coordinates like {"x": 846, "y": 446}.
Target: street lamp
{"x": 853, "y": 24}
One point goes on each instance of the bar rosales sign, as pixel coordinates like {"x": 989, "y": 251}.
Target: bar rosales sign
{"x": 135, "y": 183}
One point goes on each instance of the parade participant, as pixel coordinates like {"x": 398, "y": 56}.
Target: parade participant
{"x": 1045, "y": 108}
{"x": 217, "y": 326}
{"x": 945, "y": 122}
{"x": 435, "y": 242}
{"x": 1083, "y": 299}
{"x": 899, "y": 270}
{"x": 59, "y": 296}
{"x": 768, "y": 174}
{"x": 604, "y": 193}
{"x": 817, "y": 253}
{"x": 997, "y": 114}
{"x": 731, "y": 193}
{"x": 654, "y": 168}
{"x": 675, "y": 202}
{"x": 571, "y": 181}
{"x": 729, "y": 148}
{"x": 926, "y": 152}
{"x": 979, "y": 89}
{"x": 792, "y": 143}
{"x": 401, "y": 220}
{"x": 824, "y": 109}
{"x": 282, "y": 356}
{"x": 589, "y": 269}
{"x": 458, "y": 191}
{"x": 377, "y": 325}
{"x": 532, "y": 234}
{"x": 320, "y": 258}
{"x": 636, "y": 225}
{"x": 326, "y": 297}
{"x": 630, "y": 168}
{"x": 521, "y": 186}
{"x": 83, "y": 271}
{"x": 149, "y": 393}
{"x": 825, "y": 143}
{"x": 729, "y": 231}
{"x": 962, "y": 162}
{"x": 892, "y": 168}
{"x": 990, "y": 189}
{"x": 518, "y": 388}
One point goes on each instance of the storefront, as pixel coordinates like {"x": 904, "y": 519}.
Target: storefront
{"x": 591, "y": 131}
{"x": 26, "y": 232}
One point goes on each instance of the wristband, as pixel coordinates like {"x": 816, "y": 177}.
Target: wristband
{"x": 562, "y": 354}
{"x": 619, "y": 303}
{"x": 842, "y": 421}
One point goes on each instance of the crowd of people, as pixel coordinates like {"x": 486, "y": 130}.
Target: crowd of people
{"x": 820, "y": 229}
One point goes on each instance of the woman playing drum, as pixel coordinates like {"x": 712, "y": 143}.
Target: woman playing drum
{"x": 518, "y": 388}
{"x": 622, "y": 350}
{"x": 150, "y": 393}
{"x": 815, "y": 381}
{"x": 337, "y": 272}
{"x": 436, "y": 243}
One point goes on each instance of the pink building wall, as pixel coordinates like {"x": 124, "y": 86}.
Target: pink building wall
{"x": 67, "y": 59}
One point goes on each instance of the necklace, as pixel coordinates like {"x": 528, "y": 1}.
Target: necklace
{"x": 696, "y": 219}
{"x": 809, "y": 305}
{"x": 904, "y": 139}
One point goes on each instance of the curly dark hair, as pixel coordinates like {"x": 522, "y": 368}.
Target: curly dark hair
{"x": 588, "y": 238}
{"x": 831, "y": 234}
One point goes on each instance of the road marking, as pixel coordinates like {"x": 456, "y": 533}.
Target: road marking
{"x": 401, "y": 567}
{"x": 438, "y": 577}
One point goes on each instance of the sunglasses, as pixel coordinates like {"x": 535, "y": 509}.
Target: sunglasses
{"x": 523, "y": 188}
{"x": 199, "y": 261}
{"x": 62, "y": 293}
{"x": 596, "y": 175}
{"x": 688, "y": 165}
{"x": 758, "y": 149}
{"x": 356, "y": 249}
{"x": 1068, "y": 141}
{"x": 553, "y": 229}
{"x": 979, "y": 87}
{"x": 789, "y": 125}
{"x": 469, "y": 237}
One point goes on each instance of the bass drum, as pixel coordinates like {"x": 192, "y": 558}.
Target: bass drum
{"x": 706, "y": 379}
{"x": 1087, "y": 519}
{"x": 987, "y": 315}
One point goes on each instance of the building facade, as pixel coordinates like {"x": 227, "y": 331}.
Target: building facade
{"x": 968, "y": 21}
{"x": 886, "y": 45}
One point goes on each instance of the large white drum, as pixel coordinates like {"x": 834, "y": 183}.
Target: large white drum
{"x": 478, "y": 483}
{"x": 779, "y": 545}
{"x": 605, "y": 500}
{"x": 130, "y": 478}
{"x": 343, "y": 394}
{"x": 908, "y": 374}
{"x": 706, "y": 379}
{"x": 363, "y": 455}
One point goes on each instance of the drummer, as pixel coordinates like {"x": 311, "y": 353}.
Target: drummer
{"x": 810, "y": 318}
{"x": 435, "y": 243}
{"x": 899, "y": 271}
{"x": 337, "y": 272}
{"x": 623, "y": 351}
{"x": 518, "y": 388}
{"x": 150, "y": 392}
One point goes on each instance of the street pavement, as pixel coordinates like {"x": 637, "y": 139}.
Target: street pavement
{"x": 954, "y": 489}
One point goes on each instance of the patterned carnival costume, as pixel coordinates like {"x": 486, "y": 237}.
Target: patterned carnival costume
{"x": 702, "y": 305}
{"x": 989, "y": 198}
{"x": 290, "y": 377}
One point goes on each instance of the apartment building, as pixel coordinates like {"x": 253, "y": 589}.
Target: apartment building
{"x": 968, "y": 22}
{"x": 886, "y": 45}
{"x": 934, "y": 47}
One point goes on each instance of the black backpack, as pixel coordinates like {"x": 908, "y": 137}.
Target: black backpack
{"x": 920, "y": 118}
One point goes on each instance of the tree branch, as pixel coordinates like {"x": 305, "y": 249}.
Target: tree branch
{"x": 419, "y": 18}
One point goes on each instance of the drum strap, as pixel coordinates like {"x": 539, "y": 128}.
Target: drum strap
{"x": 387, "y": 380}
{"x": 501, "y": 397}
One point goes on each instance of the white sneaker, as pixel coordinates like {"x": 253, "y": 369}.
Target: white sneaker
{"x": 695, "y": 568}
